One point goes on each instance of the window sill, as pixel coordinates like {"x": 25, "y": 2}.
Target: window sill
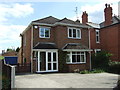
{"x": 98, "y": 42}
{"x": 44, "y": 37}
{"x": 77, "y": 63}
{"x": 73, "y": 38}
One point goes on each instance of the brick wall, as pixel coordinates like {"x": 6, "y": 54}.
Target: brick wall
{"x": 109, "y": 40}
{"x": 26, "y": 49}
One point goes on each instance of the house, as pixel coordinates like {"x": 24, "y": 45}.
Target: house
{"x": 106, "y": 35}
{"x": 56, "y": 45}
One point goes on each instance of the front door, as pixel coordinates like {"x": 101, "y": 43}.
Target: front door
{"x": 47, "y": 61}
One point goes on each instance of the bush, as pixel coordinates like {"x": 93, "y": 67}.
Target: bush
{"x": 101, "y": 60}
{"x": 114, "y": 67}
{"x": 92, "y": 71}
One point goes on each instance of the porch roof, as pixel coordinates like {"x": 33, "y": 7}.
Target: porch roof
{"x": 45, "y": 45}
{"x": 75, "y": 47}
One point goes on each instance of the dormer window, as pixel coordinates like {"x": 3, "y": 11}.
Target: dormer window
{"x": 74, "y": 33}
{"x": 44, "y": 32}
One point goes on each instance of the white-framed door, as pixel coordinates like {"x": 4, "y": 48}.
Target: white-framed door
{"x": 47, "y": 61}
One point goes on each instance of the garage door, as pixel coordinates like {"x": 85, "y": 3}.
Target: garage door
{"x": 12, "y": 60}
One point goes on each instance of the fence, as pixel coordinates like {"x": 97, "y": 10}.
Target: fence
{"x": 8, "y": 76}
{"x": 23, "y": 68}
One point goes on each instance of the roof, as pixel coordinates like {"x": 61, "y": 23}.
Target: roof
{"x": 47, "y": 20}
{"x": 75, "y": 46}
{"x": 115, "y": 19}
{"x": 53, "y": 20}
{"x": 95, "y": 25}
{"x": 10, "y": 53}
{"x": 45, "y": 45}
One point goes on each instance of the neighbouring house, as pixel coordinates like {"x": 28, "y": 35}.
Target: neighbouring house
{"x": 9, "y": 53}
{"x": 56, "y": 45}
{"x": 106, "y": 35}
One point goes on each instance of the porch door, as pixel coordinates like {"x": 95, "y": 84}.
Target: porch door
{"x": 47, "y": 61}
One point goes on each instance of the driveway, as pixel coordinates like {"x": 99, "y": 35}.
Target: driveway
{"x": 66, "y": 80}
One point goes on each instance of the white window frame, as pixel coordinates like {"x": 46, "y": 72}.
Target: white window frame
{"x": 97, "y": 36}
{"x": 97, "y": 50}
{"x": 52, "y": 62}
{"x": 76, "y": 60}
{"x": 76, "y": 33}
{"x": 44, "y": 32}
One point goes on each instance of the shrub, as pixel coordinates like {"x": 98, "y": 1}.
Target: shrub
{"x": 114, "y": 67}
{"x": 101, "y": 60}
{"x": 92, "y": 71}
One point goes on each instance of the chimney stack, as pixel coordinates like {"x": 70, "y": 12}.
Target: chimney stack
{"x": 84, "y": 17}
{"x": 108, "y": 14}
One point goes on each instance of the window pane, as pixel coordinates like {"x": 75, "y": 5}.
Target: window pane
{"x": 78, "y": 53}
{"x": 73, "y": 58}
{"x": 82, "y": 58}
{"x": 68, "y": 58}
{"x": 54, "y": 66}
{"x": 73, "y": 52}
{"x": 97, "y": 38}
{"x": 41, "y": 32}
{"x": 54, "y": 56}
{"x": 49, "y": 57}
{"x": 49, "y": 66}
{"x": 46, "y": 32}
{"x": 78, "y": 58}
{"x": 78, "y": 33}
{"x": 70, "y": 32}
{"x": 74, "y": 33}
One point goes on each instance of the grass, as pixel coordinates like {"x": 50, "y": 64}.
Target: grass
{"x": 1, "y": 57}
{"x": 92, "y": 71}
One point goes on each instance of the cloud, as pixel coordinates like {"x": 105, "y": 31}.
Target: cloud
{"x": 9, "y": 35}
{"x": 14, "y": 10}
{"x": 9, "y": 32}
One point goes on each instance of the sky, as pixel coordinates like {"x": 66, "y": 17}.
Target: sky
{"x": 16, "y": 15}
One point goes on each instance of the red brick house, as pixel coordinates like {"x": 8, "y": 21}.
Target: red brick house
{"x": 106, "y": 35}
{"x": 54, "y": 45}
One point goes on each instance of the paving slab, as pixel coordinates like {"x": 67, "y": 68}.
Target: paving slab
{"x": 66, "y": 80}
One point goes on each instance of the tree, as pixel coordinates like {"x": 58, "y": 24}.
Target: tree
{"x": 9, "y": 49}
{"x": 17, "y": 49}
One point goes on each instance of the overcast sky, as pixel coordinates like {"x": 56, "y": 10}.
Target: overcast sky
{"x": 15, "y": 16}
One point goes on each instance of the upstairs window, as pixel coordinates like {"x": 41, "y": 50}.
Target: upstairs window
{"x": 97, "y": 36}
{"x": 44, "y": 32}
{"x": 74, "y": 33}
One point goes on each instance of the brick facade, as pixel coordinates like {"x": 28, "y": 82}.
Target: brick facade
{"x": 59, "y": 36}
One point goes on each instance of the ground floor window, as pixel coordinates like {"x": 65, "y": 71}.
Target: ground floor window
{"x": 76, "y": 57}
{"x": 97, "y": 50}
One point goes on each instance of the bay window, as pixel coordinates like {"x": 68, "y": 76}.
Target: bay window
{"x": 76, "y": 57}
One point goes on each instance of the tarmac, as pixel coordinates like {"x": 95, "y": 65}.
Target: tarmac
{"x": 66, "y": 80}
